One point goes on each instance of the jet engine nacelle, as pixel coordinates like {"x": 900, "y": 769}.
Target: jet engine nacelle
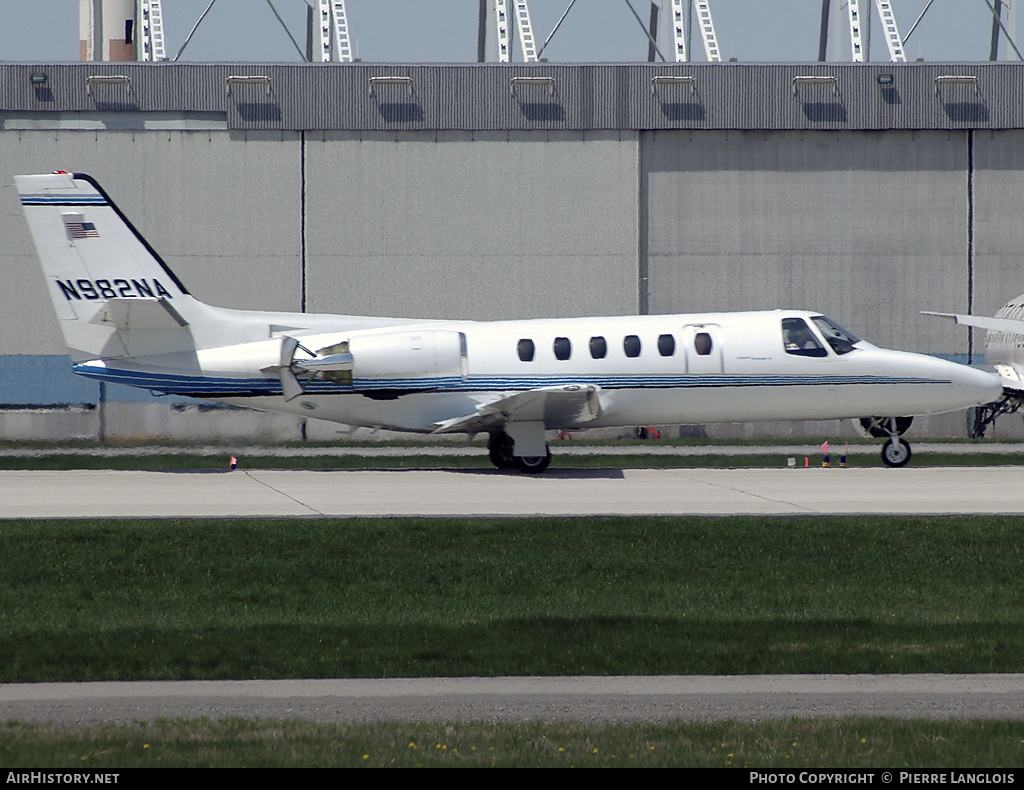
{"x": 409, "y": 356}
{"x": 378, "y": 362}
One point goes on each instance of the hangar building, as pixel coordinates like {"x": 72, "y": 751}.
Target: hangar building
{"x": 869, "y": 192}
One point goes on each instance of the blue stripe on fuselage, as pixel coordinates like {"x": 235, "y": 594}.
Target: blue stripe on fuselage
{"x": 198, "y": 385}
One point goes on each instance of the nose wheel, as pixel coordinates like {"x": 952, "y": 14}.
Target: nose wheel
{"x": 896, "y": 453}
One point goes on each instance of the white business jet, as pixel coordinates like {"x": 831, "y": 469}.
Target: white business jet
{"x": 128, "y": 319}
{"x": 1004, "y": 350}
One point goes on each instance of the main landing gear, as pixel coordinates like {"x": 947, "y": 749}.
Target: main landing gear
{"x": 500, "y": 447}
{"x": 896, "y": 451}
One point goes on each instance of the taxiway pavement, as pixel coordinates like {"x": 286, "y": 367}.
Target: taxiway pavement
{"x": 486, "y": 492}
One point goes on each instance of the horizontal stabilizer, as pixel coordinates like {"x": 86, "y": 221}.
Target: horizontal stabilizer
{"x": 554, "y": 406}
{"x": 140, "y": 313}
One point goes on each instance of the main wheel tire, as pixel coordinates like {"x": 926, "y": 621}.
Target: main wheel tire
{"x": 896, "y": 454}
{"x": 533, "y": 465}
{"x": 499, "y": 447}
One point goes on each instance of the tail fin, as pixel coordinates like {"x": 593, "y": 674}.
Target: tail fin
{"x": 102, "y": 276}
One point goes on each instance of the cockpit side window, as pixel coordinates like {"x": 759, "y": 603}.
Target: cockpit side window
{"x": 841, "y": 341}
{"x": 798, "y": 339}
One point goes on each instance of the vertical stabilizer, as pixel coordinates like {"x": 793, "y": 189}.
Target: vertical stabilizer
{"x": 99, "y": 270}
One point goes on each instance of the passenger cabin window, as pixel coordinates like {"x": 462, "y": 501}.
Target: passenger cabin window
{"x": 842, "y": 342}
{"x": 666, "y": 345}
{"x": 799, "y": 340}
{"x": 526, "y": 350}
{"x": 702, "y": 344}
{"x": 631, "y": 345}
{"x": 563, "y": 348}
{"x": 598, "y": 347}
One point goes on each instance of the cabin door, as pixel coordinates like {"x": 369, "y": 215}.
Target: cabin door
{"x": 703, "y": 346}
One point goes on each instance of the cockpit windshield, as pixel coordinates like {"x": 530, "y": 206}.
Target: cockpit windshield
{"x": 842, "y": 342}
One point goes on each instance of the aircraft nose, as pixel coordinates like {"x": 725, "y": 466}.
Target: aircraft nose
{"x": 978, "y": 386}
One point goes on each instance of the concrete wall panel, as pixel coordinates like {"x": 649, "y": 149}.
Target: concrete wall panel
{"x": 999, "y": 218}
{"x": 222, "y": 210}
{"x": 867, "y": 227}
{"x": 457, "y": 225}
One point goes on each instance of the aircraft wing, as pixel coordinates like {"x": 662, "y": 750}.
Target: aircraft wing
{"x": 562, "y": 405}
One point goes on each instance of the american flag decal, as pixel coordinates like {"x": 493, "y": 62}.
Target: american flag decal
{"x": 82, "y": 230}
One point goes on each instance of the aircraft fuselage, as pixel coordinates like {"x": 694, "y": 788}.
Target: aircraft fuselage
{"x": 645, "y": 369}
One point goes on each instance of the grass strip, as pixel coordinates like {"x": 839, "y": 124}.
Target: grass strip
{"x": 794, "y": 745}
{"x": 405, "y": 597}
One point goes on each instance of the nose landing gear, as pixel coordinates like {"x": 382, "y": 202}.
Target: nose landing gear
{"x": 896, "y": 451}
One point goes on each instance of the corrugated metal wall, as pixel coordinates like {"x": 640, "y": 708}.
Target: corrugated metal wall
{"x": 377, "y": 97}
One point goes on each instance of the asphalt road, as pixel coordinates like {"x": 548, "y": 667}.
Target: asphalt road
{"x": 587, "y": 699}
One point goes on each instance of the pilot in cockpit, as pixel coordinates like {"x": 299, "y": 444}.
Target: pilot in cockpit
{"x": 798, "y": 338}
